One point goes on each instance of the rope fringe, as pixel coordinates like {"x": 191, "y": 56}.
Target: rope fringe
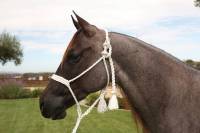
{"x": 102, "y": 106}
{"x": 113, "y": 102}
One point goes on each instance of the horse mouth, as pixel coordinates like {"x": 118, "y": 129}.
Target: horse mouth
{"x": 58, "y": 116}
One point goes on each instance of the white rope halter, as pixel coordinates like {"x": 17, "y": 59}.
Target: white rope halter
{"x": 102, "y": 107}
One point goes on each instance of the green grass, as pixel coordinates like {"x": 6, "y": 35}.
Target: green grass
{"x": 23, "y": 116}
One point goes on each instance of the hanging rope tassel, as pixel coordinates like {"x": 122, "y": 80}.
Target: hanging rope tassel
{"x": 113, "y": 102}
{"x": 102, "y": 106}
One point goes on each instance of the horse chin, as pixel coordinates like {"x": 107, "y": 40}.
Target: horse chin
{"x": 59, "y": 116}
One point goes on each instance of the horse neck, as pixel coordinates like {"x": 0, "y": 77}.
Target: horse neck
{"x": 143, "y": 72}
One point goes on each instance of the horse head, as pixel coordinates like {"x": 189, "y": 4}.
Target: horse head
{"x": 83, "y": 50}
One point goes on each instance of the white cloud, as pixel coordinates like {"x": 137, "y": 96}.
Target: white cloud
{"x": 173, "y": 40}
{"x": 46, "y": 25}
{"x": 53, "y": 48}
{"x": 183, "y": 51}
{"x": 45, "y": 14}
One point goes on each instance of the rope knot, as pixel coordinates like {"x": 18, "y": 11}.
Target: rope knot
{"x": 106, "y": 49}
{"x": 105, "y": 53}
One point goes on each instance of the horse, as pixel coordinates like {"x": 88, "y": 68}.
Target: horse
{"x": 163, "y": 91}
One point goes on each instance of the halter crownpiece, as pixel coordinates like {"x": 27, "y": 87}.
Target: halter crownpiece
{"x": 102, "y": 106}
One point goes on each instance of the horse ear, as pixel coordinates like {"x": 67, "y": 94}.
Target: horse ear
{"x": 87, "y": 28}
{"x": 76, "y": 24}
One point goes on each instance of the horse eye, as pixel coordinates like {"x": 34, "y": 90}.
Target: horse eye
{"x": 74, "y": 58}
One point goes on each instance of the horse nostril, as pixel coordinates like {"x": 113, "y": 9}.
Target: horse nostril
{"x": 44, "y": 110}
{"x": 41, "y": 106}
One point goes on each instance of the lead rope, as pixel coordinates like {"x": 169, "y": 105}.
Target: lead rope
{"x": 102, "y": 107}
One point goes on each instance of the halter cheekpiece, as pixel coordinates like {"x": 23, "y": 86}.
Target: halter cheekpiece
{"x": 102, "y": 106}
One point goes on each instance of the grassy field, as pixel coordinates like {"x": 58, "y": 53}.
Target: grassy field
{"x": 23, "y": 116}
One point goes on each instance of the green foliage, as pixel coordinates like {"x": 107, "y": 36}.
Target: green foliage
{"x": 198, "y": 65}
{"x": 190, "y": 62}
{"x": 91, "y": 98}
{"x": 194, "y": 64}
{"x": 10, "y": 49}
{"x": 36, "y": 93}
{"x": 197, "y": 3}
{"x": 15, "y": 90}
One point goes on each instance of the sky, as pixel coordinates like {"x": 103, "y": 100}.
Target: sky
{"x": 44, "y": 27}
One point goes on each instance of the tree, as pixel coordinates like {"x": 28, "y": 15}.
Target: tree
{"x": 198, "y": 65}
{"x": 197, "y": 3}
{"x": 194, "y": 64}
{"x": 190, "y": 62}
{"x": 10, "y": 49}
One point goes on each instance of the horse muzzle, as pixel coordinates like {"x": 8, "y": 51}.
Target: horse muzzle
{"x": 52, "y": 109}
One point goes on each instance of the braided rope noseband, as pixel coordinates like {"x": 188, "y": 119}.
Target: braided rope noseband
{"x": 113, "y": 103}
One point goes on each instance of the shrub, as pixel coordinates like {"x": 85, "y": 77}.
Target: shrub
{"x": 36, "y": 92}
{"x": 91, "y": 98}
{"x": 23, "y": 93}
{"x": 12, "y": 90}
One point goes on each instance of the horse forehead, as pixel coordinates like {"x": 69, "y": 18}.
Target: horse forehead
{"x": 73, "y": 41}
{"x": 70, "y": 45}
{"x": 73, "y": 44}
